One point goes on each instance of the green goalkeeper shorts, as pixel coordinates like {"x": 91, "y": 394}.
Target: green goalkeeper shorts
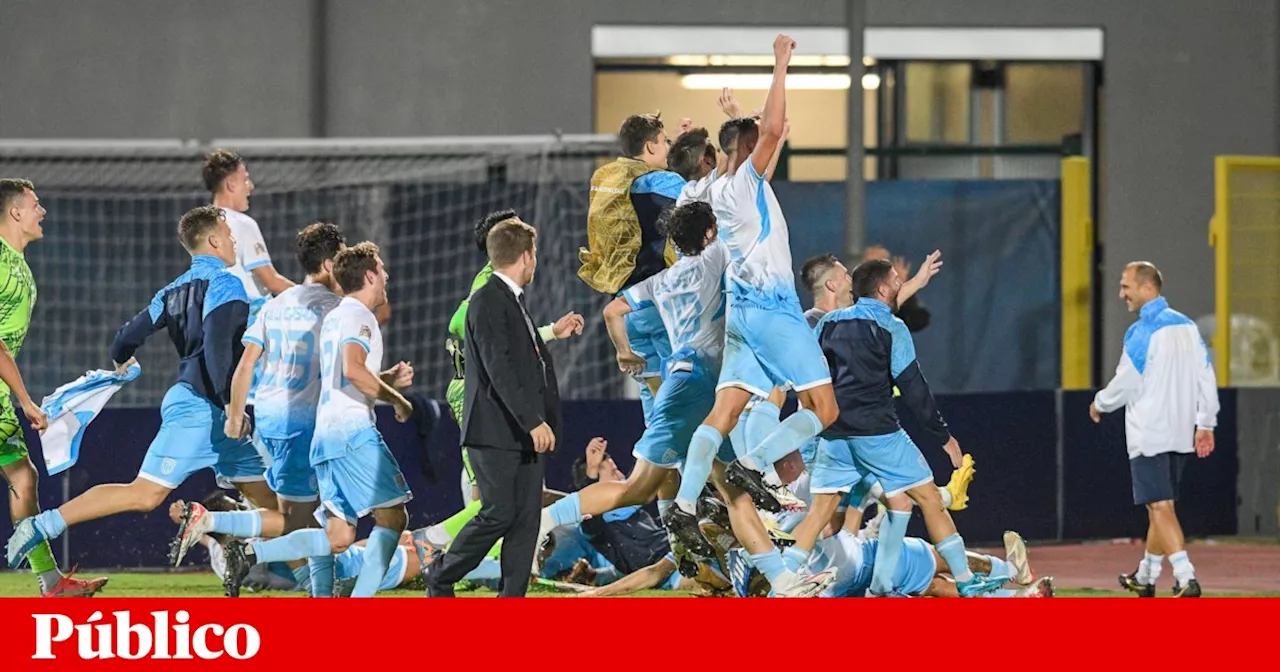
{"x": 455, "y": 395}
{"x": 13, "y": 446}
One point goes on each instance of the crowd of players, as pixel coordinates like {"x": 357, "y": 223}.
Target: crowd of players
{"x": 691, "y": 248}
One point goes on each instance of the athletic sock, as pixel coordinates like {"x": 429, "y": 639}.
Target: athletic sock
{"x": 1183, "y": 570}
{"x": 770, "y": 563}
{"x": 51, "y": 523}
{"x": 795, "y": 558}
{"x": 44, "y": 567}
{"x": 789, "y": 435}
{"x": 999, "y": 568}
{"x": 239, "y": 524}
{"x": 297, "y": 545}
{"x": 888, "y": 551}
{"x": 454, "y": 524}
{"x": 1149, "y": 569}
{"x": 759, "y": 423}
{"x": 703, "y": 446}
{"x": 565, "y": 511}
{"x": 321, "y": 570}
{"x": 952, "y": 550}
{"x": 377, "y": 558}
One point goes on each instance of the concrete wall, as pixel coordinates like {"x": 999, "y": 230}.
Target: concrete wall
{"x": 1258, "y": 441}
{"x": 1182, "y": 83}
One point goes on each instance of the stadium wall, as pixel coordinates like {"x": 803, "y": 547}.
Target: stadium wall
{"x": 1048, "y": 474}
{"x": 1181, "y": 86}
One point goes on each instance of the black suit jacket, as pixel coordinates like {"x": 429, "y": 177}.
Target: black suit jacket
{"x": 507, "y": 394}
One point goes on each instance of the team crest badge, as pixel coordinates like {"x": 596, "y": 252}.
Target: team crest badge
{"x": 259, "y": 248}
{"x": 364, "y": 331}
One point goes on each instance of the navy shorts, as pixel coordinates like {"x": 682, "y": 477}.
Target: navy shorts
{"x": 1157, "y": 478}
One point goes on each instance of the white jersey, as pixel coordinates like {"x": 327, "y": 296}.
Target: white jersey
{"x": 344, "y": 410}
{"x": 697, "y": 190}
{"x": 288, "y": 331}
{"x": 690, "y": 299}
{"x": 752, "y": 225}
{"x": 251, "y": 253}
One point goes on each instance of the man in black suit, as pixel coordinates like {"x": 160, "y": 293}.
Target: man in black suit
{"x": 510, "y": 419}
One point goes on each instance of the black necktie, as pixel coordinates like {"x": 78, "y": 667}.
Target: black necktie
{"x": 528, "y": 324}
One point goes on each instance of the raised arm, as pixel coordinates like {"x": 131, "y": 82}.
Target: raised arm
{"x": 932, "y": 266}
{"x": 773, "y": 121}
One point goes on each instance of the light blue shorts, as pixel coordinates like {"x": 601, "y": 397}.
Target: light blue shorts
{"x": 347, "y": 565}
{"x": 893, "y": 459}
{"x": 771, "y": 348}
{"x": 835, "y": 469}
{"x": 683, "y": 403}
{"x": 648, "y": 338}
{"x": 290, "y": 475}
{"x": 365, "y": 478}
{"x": 916, "y": 566}
{"x": 191, "y": 439}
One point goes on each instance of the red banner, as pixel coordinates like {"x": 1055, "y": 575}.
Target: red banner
{"x": 643, "y": 633}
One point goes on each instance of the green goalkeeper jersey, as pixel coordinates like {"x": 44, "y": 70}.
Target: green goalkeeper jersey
{"x": 458, "y": 323}
{"x": 17, "y": 297}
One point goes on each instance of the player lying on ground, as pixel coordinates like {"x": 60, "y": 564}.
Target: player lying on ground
{"x": 287, "y": 331}
{"x": 569, "y": 325}
{"x": 204, "y": 311}
{"x": 20, "y": 218}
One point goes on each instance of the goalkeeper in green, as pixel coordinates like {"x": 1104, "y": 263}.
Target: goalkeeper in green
{"x": 569, "y": 325}
{"x": 20, "y": 217}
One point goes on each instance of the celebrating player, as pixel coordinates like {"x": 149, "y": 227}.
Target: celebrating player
{"x": 227, "y": 177}
{"x": 569, "y": 325}
{"x": 20, "y": 217}
{"x": 624, "y": 243}
{"x": 356, "y": 471}
{"x": 288, "y": 332}
{"x": 870, "y": 351}
{"x": 204, "y": 311}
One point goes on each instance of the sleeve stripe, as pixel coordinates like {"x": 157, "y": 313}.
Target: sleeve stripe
{"x": 257, "y": 264}
{"x": 357, "y": 341}
{"x": 254, "y": 340}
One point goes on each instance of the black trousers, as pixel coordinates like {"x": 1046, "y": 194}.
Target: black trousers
{"x": 510, "y": 485}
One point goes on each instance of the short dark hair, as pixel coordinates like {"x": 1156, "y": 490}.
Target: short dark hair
{"x": 217, "y": 166}
{"x": 637, "y": 130}
{"x": 11, "y": 188}
{"x": 196, "y": 223}
{"x": 688, "y": 151}
{"x": 351, "y": 264}
{"x": 815, "y": 269}
{"x": 1146, "y": 272}
{"x": 580, "y": 471}
{"x": 869, "y": 275}
{"x": 733, "y": 130}
{"x": 687, "y": 226}
{"x": 485, "y": 225}
{"x": 318, "y": 243}
{"x": 508, "y": 240}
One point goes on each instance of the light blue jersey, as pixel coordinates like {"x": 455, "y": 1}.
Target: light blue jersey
{"x": 752, "y": 226}
{"x": 288, "y": 331}
{"x": 855, "y": 562}
{"x": 344, "y": 411}
{"x": 689, "y": 297}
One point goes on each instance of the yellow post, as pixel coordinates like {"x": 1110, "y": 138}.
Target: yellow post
{"x": 1220, "y": 239}
{"x": 1077, "y": 259}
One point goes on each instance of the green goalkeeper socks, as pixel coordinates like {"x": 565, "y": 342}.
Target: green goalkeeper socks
{"x": 44, "y": 567}
{"x": 453, "y": 524}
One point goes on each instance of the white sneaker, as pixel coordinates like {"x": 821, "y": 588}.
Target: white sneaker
{"x": 872, "y": 529}
{"x": 1015, "y": 553}
{"x": 545, "y": 526}
{"x": 791, "y": 584}
{"x": 194, "y": 524}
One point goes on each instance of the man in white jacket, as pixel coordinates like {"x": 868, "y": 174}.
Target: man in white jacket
{"x": 1166, "y": 385}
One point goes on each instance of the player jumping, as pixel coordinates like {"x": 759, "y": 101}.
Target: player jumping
{"x": 287, "y": 331}
{"x": 624, "y": 243}
{"x": 356, "y": 471}
{"x": 204, "y": 311}
{"x": 20, "y": 217}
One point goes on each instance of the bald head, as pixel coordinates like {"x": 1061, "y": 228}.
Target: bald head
{"x": 1139, "y": 283}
